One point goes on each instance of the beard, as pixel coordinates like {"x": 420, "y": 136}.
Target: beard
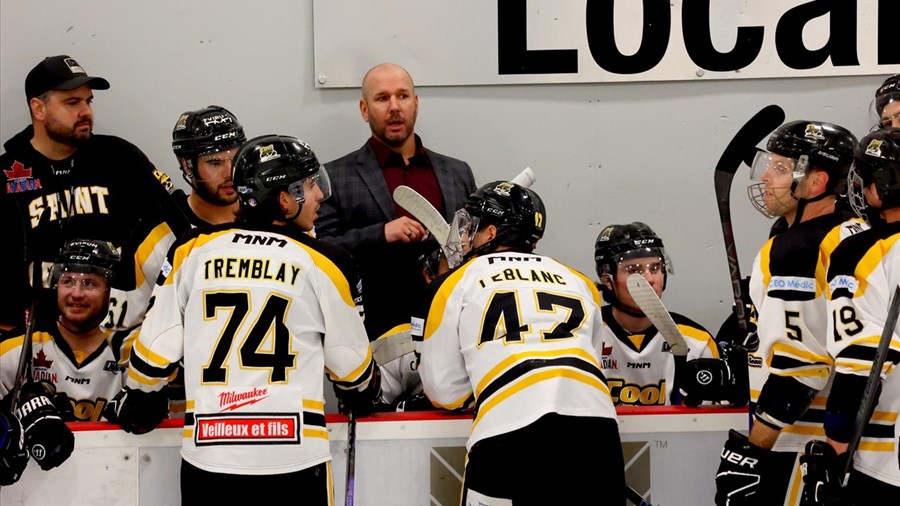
{"x": 211, "y": 195}
{"x": 69, "y": 135}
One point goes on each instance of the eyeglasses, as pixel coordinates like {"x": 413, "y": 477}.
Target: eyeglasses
{"x": 653, "y": 268}
{"x": 87, "y": 284}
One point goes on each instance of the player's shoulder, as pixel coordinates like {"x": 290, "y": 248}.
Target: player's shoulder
{"x": 859, "y": 248}
{"x": 681, "y": 319}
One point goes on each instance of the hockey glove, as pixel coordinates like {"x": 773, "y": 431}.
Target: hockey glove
{"x": 136, "y": 411}
{"x": 360, "y": 402}
{"x": 713, "y": 379}
{"x": 822, "y": 478}
{"x": 13, "y": 455}
{"x": 740, "y": 480}
{"x": 48, "y": 439}
{"x": 731, "y": 332}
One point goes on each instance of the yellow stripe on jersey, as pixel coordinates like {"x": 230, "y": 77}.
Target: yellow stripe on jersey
{"x": 527, "y": 381}
{"x": 591, "y": 286}
{"x": 403, "y": 327}
{"x": 872, "y": 446}
{"x": 871, "y": 260}
{"x": 884, "y": 416}
{"x": 356, "y": 373}
{"x": 313, "y": 405}
{"x": 316, "y": 433}
{"x": 512, "y": 360}
{"x": 140, "y": 378}
{"x": 785, "y": 349}
{"x": 764, "y": 257}
{"x": 331, "y": 270}
{"x": 184, "y": 250}
{"x": 439, "y": 302}
{"x": 700, "y": 335}
{"x": 806, "y": 430}
{"x": 828, "y": 244}
{"x": 17, "y": 342}
{"x": 150, "y": 356}
{"x": 146, "y": 249}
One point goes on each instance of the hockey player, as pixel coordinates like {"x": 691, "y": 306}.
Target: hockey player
{"x": 63, "y": 182}
{"x": 255, "y": 309}
{"x": 639, "y": 368}
{"x": 802, "y": 175}
{"x": 864, "y": 272}
{"x": 887, "y": 102}
{"x": 204, "y": 142}
{"x": 511, "y": 333}
{"x": 72, "y": 354}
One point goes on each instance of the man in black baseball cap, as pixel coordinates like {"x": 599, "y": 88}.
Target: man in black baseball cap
{"x": 60, "y": 73}
{"x": 61, "y": 181}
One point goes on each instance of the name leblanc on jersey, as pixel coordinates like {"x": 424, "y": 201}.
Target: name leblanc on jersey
{"x": 252, "y": 268}
{"x": 539, "y": 276}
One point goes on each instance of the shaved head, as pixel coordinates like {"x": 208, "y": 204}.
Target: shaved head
{"x": 384, "y": 69}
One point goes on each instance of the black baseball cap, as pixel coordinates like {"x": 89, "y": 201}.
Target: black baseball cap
{"x": 60, "y": 73}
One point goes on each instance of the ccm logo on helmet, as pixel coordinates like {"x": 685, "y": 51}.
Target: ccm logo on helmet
{"x": 229, "y": 135}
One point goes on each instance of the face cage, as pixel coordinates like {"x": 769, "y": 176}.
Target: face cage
{"x": 855, "y": 195}
{"x": 302, "y": 190}
{"x": 461, "y": 239}
{"x": 762, "y": 162}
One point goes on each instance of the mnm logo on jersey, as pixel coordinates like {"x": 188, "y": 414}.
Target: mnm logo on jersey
{"x": 250, "y": 428}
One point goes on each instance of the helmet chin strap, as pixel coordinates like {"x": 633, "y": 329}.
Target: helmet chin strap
{"x": 801, "y": 202}
{"x": 88, "y": 327}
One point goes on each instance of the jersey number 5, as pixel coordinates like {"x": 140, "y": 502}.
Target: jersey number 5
{"x": 268, "y": 323}
{"x": 502, "y": 318}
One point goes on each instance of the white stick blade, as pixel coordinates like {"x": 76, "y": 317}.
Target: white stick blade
{"x": 422, "y": 210}
{"x": 646, "y": 299}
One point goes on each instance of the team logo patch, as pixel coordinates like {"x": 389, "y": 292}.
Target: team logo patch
{"x": 74, "y": 66}
{"x": 182, "y": 122}
{"x": 113, "y": 367}
{"x": 814, "y": 131}
{"x": 503, "y": 189}
{"x": 217, "y": 119}
{"x": 41, "y": 368}
{"x": 874, "y": 148}
{"x": 250, "y": 428}
{"x": 267, "y": 153}
{"x": 18, "y": 179}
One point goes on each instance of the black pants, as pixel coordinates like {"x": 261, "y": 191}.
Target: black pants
{"x": 308, "y": 487}
{"x": 864, "y": 490}
{"x": 558, "y": 460}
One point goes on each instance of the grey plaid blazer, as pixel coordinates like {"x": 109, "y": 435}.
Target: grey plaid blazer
{"x": 354, "y": 217}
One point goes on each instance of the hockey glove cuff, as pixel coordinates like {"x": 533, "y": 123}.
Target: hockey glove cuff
{"x": 48, "y": 439}
{"x": 741, "y": 477}
{"x": 137, "y": 411}
{"x": 822, "y": 480}
{"x": 360, "y": 402}
{"x": 13, "y": 455}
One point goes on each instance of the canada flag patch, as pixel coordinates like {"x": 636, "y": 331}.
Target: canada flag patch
{"x": 18, "y": 179}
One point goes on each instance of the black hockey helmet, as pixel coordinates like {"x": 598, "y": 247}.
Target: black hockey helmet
{"x": 877, "y": 161}
{"x": 516, "y": 211}
{"x": 204, "y": 131}
{"x": 266, "y": 165}
{"x": 86, "y": 256}
{"x": 888, "y": 92}
{"x": 808, "y": 145}
{"x": 622, "y": 242}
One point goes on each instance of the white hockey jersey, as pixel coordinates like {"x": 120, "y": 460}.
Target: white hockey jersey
{"x": 89, "y": 381}
{"x": 257, "y": 316}
{"x": 788, "y": 287}
{"x": 514, "y": 332}
{"x": 639, "y": 367}
{"x": 864, "y": 272}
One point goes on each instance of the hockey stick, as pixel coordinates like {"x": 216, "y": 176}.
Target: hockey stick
{"x": 422, "y": 210}
{"x": 740, "y": 149}
{"x": 635, "y": 498}
{"x": 872, "y": 383}
{"x": 646, "y": 299}
{"x": 23, "y": 368}
{"x": 351, "y": 459}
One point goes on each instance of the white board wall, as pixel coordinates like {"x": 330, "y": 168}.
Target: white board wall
{"x": 603, "y": 153}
